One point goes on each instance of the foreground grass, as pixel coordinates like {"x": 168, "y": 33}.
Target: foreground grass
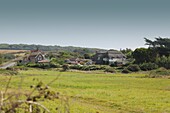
{"x": 103, "y": 93}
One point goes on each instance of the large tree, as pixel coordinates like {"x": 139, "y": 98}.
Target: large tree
{"x": 142, "y": 55}
{"x": 161, "y": 45}
{"x": 128, "y": 52}
{"x": 159, "y": 42}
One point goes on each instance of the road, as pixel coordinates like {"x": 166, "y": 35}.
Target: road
{"x": 10, "y": 64}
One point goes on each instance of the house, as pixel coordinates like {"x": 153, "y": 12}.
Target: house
{"x": 35, "y": 56}
{"x": 72, "y": 61}
{"x": 78, "y": 61}
{"x": 109, "y": 57}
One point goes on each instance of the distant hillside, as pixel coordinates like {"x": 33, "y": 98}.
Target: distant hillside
{"x": 48, "y": 48}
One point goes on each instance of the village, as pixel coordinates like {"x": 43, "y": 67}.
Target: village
{"x": 109, "y": 57}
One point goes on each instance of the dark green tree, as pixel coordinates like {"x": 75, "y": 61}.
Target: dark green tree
{"x": 128, "y": 52}
{"x": 163, "y": 62}
{"x": 161, "y": 45}
{"x": 142, "y": 55}
{"x": 87, "y": 56}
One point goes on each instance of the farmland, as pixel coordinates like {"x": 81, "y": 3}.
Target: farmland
{"x": 91, "y": 92}
{"x": 11, "y": 51}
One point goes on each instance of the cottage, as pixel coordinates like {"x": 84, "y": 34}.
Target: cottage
{"x": 35, "y": 56}
{"x": 109, "y": 57}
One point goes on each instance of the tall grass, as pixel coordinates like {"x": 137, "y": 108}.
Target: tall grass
{"x": 100, "y": 92}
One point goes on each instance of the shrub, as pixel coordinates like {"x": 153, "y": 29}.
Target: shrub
{"x": 94, "y": 67}
{"x": 163, "y": 62}
{"x": 32, "y": 65}
{"x": 125, "y": 70}
{"x": 148, "y": 66}
{"x": 87, "y": 67}
{"x": 113, "y": 65}
{"x": 120, "y": 68}
{"x": 42, "y": 66}
{"x": 161, "y": 72}
{"x": 65, "y": 67}
{"x": 103, "y": 67}
{"x": 8, "y": 56}
{"x": 133, "y": 68}
{"x": 78, "y": 67}
{"x": 110, "y": 69}
{"x": 20, "y": 68}
{"x": 54, "y": 65}
{"x": 129, "y": 62}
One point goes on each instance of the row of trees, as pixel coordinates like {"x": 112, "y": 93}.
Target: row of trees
{"x": 158, "y": 52}
{"x": 79, "y": 50}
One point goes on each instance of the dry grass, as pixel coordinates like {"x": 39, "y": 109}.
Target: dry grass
{"x": 12, "y": 51}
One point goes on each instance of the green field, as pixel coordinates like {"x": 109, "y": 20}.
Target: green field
{"x": 91, "y": 92}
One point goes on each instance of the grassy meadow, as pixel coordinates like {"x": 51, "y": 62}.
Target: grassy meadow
{"x": 92, "y": 92}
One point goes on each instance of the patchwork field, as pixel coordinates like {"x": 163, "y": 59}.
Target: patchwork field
{"x": 89, "y": 92}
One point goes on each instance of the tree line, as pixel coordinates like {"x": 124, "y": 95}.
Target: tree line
{"x": 80, "y": 50}
{"x": 158, "y": 52}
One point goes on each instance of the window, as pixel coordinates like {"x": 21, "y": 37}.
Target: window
{"x": 98, "y": 58}
{"x": 40, "y": 58}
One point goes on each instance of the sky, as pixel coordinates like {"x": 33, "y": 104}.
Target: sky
{"x": 107, "y": 24}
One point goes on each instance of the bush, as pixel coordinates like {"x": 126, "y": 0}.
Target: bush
{"x": 32, "y": 65}
{"x": 94, "y": 67}
{"x": 103, "y": 67}
{"x": 20, "y": 68}
{"x": 133, "y": 68}
{"x": 65, "y": 67}
{"x": 42, "y": 66}
{"x": 148, "y": 66}
{"x": 54, "y": 65}
{"x": 129, "y": 62}
{"x": 161, "y": 72}
{"x": 110, "y": 69}
{"x": 78, "y": 67}
{"x": 87, "y": 67}
{"x": 8, "y": 56}
{"x": 125, "y": 70}
{"x": 120, "y": 68}
{"x": 163, "y": 62}
{"x": 113, "y": 65}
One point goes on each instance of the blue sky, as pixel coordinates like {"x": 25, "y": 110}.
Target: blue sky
{"x": 87, "y": 23}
